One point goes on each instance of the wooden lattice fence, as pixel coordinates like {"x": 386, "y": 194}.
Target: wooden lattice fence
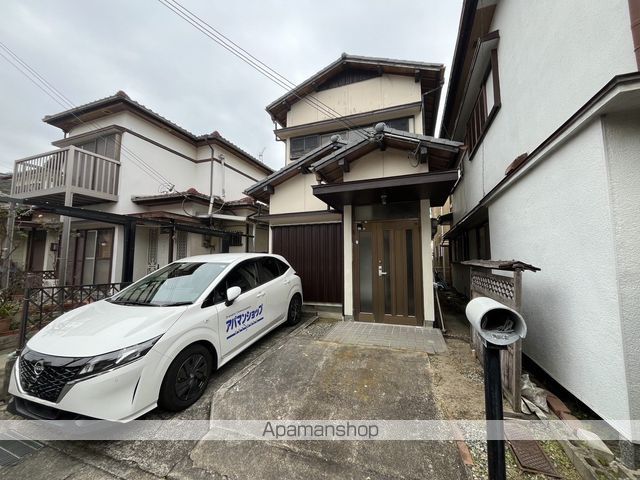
{"x": 506, "y": 289}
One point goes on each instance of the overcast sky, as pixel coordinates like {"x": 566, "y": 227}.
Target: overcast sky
{"x": 92, "y": 49}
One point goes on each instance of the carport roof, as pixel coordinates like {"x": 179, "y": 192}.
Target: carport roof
{"x": 430, "y": 185}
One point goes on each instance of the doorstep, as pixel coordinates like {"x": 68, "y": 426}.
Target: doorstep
{"x": 403, "y": 337}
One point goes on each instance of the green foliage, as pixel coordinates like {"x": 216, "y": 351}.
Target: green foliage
{"x": 8, "y": 306}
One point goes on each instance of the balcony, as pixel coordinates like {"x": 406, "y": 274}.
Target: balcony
{"x": 70, "y": 176}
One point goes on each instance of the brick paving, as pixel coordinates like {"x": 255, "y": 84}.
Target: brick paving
{"x": 419, "y": 339}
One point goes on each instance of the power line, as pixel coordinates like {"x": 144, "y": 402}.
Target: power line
{"x": 256, "y": 64}
{"x": 288, "y": 84}
{"x": 41, "y": 83}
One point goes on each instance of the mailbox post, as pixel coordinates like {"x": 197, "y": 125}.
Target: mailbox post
{"x": 499, "y": 326}
{"x": 493, "y": 411}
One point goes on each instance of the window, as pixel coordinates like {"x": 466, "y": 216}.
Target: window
{"x": 473, "y": 244}
{"x": 244, "y": 276}
{"x": 399, "y": 124}
{"x": 270, "y": 268}
{"x": 175, "y": 284}
{"x": 181, "y": 244}
{"x": 105, "y": 145}
{"x": 486, "y": 106}
{"x": 93, "y": 252}
{"x": 300, "y": 146}
{"x": 235, "y": 239}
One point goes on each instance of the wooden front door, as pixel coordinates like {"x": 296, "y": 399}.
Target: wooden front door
{"x": 388, "y": 280}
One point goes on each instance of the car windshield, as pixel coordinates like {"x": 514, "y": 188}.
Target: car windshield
{"x": 175, "y": 284}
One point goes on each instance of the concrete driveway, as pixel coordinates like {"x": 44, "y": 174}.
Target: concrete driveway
{"x": 293, "y": 374}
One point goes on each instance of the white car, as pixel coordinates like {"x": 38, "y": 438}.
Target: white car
{"x": 157, "y": 341}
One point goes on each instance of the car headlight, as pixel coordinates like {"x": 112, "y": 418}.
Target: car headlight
{"x": 111, "y": 360}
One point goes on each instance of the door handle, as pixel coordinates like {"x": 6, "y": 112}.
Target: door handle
{"x": 260, "y": 295}
{"x": 380, "y": 272}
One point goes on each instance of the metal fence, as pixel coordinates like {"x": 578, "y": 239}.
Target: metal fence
{"x": 41, "y": 305}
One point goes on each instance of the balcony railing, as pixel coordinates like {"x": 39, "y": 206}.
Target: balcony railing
{"x": 89, "y": 176}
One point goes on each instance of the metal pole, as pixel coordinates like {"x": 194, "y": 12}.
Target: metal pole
{"x": 8, "y": 246}
{"x": 22, "y": 335}
{"x": 494, "y": 412}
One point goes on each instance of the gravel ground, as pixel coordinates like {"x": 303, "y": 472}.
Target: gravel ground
{"x": 459, "y": 390}
{"x": 319, "y": 328}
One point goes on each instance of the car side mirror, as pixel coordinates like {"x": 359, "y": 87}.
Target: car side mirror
{"x": 232, "y": 294}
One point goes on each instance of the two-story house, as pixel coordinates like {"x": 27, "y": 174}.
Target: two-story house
{"x": 120, "y": 157}
{"x": 351, "y": 208}
{"x": 546, "y": 96}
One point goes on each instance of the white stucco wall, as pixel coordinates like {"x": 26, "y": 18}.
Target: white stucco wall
{"x": 180, "y": 171}
{"x": 557, "y": 217}
{"x": 622, "y": 144}
{"x": 545, "y": 78}
{"x": 427, "y": 263}
{"x": 373, "y": 94}
{"x": 235, "y": 183}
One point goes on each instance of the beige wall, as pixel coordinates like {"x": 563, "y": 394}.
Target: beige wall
{"x": 373, "y": 94}
{"x": 296, "y": 195}
{"x": 380, "y": 164}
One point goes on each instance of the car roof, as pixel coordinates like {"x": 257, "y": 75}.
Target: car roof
{"x": 225, "y": 257}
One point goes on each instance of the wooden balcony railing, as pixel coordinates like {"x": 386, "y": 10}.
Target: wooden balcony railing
{"x": 70, "y": 169}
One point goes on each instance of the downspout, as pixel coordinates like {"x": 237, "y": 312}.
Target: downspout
{"x": 634, "y": 14}
{"x": 211, "y": 182}
{"x": 224, "y": 167}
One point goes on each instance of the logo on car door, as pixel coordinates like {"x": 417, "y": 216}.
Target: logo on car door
{"x": 240, "y": 321}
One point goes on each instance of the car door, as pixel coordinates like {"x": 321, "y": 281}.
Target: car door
{"x": 277, "y": 292}
{"x": 241, "y": 321}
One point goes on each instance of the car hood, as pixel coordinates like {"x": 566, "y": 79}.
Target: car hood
{"x": 103, "y": 327}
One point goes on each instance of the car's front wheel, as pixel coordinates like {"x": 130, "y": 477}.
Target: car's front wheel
{"x": 186, "y": 379}
{"x": 295, "y": 310}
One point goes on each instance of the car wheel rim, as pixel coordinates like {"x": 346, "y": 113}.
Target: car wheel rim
{"x": 192, "y": 377}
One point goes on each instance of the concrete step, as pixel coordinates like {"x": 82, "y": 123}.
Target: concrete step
{"x": 324, "y": 310}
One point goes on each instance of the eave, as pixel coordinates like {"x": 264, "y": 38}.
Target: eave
{"x": 434, "y": 186}
{"x": 430, "y": 76}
